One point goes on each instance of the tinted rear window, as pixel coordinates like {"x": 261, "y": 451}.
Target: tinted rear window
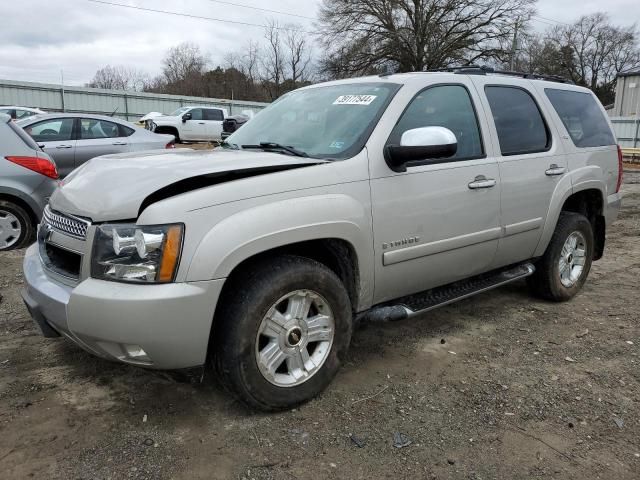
{"x": 23, "y": 135}
{"x": 519, "y": 123}
{"x": 582, "y": 117}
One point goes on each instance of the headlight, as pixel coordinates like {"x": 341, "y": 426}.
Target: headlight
{"x": 139, "y": 254}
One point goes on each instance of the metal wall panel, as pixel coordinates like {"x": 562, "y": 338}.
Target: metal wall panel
{"x": 127, "y": 105}
{"x": 627, "y": 131}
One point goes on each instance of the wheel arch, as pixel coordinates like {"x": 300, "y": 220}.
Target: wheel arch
{"x": 586, "y": 198}
{"x": 306, "y": 227}
{"x": 169, "y": 130}
{"x": 22, "y": 202}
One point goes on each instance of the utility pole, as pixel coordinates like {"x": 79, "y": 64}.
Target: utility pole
{"x": 514, "y": 45}
{"x": 62, "y": 88}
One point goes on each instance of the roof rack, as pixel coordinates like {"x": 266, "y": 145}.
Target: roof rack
{"x": 483, "y": 70}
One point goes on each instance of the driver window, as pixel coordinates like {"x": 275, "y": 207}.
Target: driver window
{"x": 55, "y": 130}
{"x": 447, "y": 106}
{"x": 196, "y": 113}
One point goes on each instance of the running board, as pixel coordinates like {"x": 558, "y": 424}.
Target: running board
{"x": 418, "y": 303}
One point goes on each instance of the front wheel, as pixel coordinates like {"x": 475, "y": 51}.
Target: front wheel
{"x": 565, "y": 265}
{"x": 283, "y": 330}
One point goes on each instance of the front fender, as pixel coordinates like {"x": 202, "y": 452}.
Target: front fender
{"x": 585, "y": 178}
{"x": 265, "y": 227}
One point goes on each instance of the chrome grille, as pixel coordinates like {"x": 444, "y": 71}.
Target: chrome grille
{"x": 73, "y": 226}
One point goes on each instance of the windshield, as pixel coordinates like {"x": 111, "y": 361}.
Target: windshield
{"x": 327, "y": 122}
{"x": 179, "y": 112}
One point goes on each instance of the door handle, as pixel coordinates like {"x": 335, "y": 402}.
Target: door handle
{"x": 201, "y": 123}
{"x": 119, "y": 143}
{"x": 64, "y": 146}
{"x": 482, "y": 182}
{"x": 554, "y": 170}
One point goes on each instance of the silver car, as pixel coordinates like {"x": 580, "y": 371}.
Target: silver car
{"x": 72, "y": 138}
{"x": 381, "y": 197}
{"x": 27, "y": 180}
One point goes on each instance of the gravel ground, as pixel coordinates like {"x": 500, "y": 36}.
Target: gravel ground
{"x": 497, "y": 386}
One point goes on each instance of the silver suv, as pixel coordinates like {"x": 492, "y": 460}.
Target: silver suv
{"x": 27, "y": 180}
{"x": 380, "y": 197}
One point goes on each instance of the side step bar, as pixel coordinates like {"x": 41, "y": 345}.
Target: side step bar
{"x": 418, "y": 303}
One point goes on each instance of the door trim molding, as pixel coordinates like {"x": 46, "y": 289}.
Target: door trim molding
{"x": 440, "y": 246}
{"x": 522, "y": 227}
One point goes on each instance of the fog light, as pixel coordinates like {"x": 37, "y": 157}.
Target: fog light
{"x": 136, "y": 353}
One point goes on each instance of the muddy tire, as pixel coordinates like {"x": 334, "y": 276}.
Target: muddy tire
{"x": 282, "y": 331}
{"x": 16, "y": 228}
{"x": 564, "y": 267}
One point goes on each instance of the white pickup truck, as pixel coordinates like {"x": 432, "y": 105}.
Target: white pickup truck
{"x": 194, "y": 123}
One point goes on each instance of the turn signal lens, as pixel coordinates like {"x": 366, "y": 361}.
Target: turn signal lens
{"x": 170, "y": 254}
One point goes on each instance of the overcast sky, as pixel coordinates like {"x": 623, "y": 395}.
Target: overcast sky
{"x": 39, "y": 38}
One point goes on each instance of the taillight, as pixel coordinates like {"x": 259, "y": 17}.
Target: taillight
{"x": 171, "y": 144}
{"x": 620, "y": 169}
{"x": 39, "y": 165}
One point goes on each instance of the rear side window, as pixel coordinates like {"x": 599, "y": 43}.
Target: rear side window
{"x": 91, "y": 129}
{"x": 447, "y": 106}
{"x": 582, "y": 117}
{"x": 126, "y": 131}
{"x": 519, "y": 123}
{"x": 213, "y": 114}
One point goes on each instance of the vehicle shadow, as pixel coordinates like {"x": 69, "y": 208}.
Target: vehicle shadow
{"x": 183, "y": 393}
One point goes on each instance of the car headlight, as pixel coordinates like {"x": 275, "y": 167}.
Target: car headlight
{"x": 137, "y": 253}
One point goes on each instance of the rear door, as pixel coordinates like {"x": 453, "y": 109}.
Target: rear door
{"x": 99, "y": 137}
{"x": 214, "y": 118}
{"x": 56, "y": 137}
{"x": 531, "y": 160}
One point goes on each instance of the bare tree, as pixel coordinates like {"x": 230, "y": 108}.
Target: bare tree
{"x": 183, "y": 62}
{"x": 273, "y": 60}
{"x": 119, "y": 77}
{"x": 590, "y": 52}
{"x": 298, "y": 55}
{"x": 412, "y": 35}
{"x": 594, "y": 51}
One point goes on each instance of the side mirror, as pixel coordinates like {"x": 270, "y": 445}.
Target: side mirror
{"x": 41, "y": 145}
{"x": 420, "y": 144}
{"x": 186, "y": 116}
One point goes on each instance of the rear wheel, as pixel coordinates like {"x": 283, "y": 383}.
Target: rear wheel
{"x": 282, "y": 333}
{"x": 562, "y": 271}
{"x": 16, "y": 229}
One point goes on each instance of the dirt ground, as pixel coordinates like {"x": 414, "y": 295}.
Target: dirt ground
{"x": 499, "y": 386}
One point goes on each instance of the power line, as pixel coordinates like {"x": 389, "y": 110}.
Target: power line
{"x": 199, "y": 17}
{"x": 263, "y": 9}
{"x": 547, "y": 20}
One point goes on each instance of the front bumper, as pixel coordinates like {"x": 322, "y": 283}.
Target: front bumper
{"x": 169, "y": 323}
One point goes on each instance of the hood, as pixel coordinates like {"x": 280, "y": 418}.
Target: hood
{"x": 167, "y": 118}
{"x": 151, "y": 115}
{"x": 119, "y": 187}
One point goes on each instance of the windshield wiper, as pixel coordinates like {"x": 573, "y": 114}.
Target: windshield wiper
{"x": 277, "y": 146}
{"x": 225, "y": 144}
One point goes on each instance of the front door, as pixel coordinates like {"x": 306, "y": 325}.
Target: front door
{"x": 531, "y": 160}
{"x": 99, "y": 137}
{"x": 195, "y": 128}
{"x": 440, "y": 220}
{"x": 55, "y": 136}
